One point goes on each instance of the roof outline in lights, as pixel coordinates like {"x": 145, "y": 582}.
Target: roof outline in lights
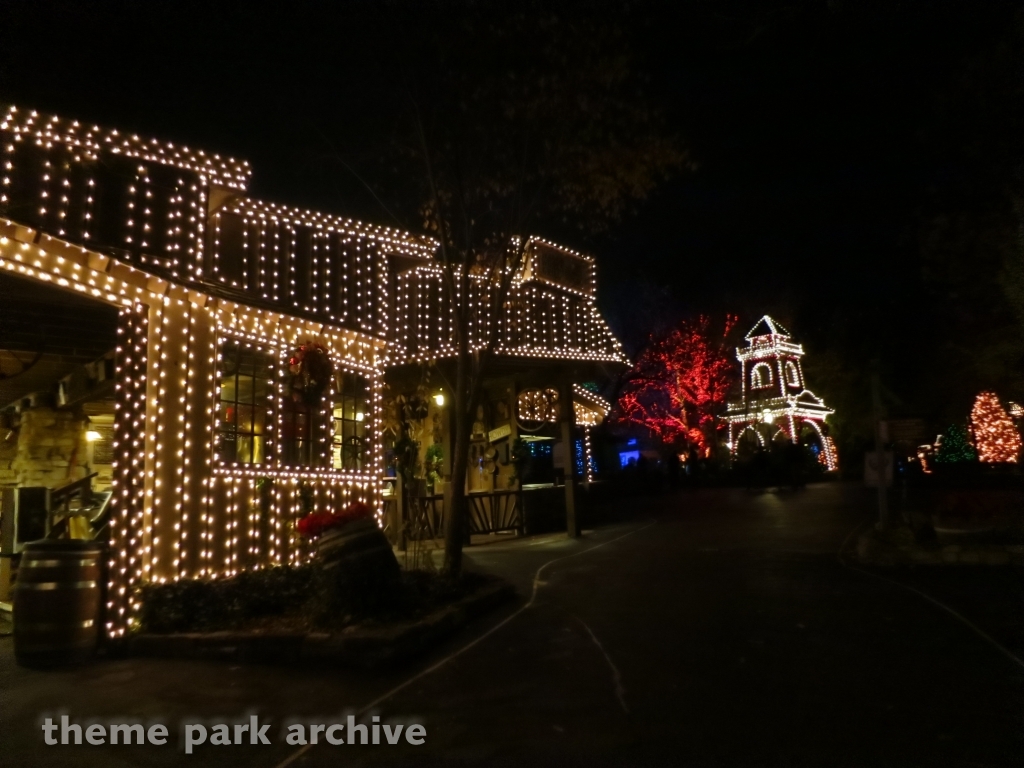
{"x": 771, "y": 327}
{"x": 424, "y": 245}
{"x": 806, "y": 397}
{"x": 46, "y": 128}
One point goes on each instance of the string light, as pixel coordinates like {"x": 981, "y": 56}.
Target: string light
{"x": 995, "y": 437}
{"x": 550, "y": 311}
{"x": 773, "y": 390}
{"x": 165, "y": 433}
{"x": 264, "y": 276}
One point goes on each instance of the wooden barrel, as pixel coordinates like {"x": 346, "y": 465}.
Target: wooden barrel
{"x": 356, "y": 543}
{"x": 57, "y": 602}
{"x": 360, "y": 565}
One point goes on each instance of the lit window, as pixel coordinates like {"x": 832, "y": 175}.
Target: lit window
{"x": 244, "y": 405}
{"x": 761, "y": 376}
{"x": 792, "y": 374}
{"x": 350, "y": 415}
{"x": 539, "y": 405}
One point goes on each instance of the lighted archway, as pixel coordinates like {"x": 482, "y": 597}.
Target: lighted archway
{"x": 828, "y": 455}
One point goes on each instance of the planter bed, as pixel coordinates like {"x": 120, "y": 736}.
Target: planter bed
{"x": 368, "y": 644}
{"x": 898, "y": 547}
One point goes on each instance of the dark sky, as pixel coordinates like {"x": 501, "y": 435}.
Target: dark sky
{"x": 813, "y": 126}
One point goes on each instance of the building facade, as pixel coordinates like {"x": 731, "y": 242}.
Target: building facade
{"x": 181, "y": 376}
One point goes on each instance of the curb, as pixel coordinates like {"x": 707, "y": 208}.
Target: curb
{"x": 356, "y": 646}
{"x": 871, "y": 551}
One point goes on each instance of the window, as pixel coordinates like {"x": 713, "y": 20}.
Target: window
{"x": 539, "y": 405}
{"x": 761, "y": 376}
{"x": 792, "y": 374}
{"x": 350, "y": 414}
{"x": 243, "y": 410}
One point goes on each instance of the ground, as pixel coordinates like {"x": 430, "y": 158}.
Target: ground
{"x": 716, "y": 627}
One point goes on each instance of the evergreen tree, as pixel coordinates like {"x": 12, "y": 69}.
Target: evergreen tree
{"x": 956, "y": 446}
{"x": 995, "y": 436}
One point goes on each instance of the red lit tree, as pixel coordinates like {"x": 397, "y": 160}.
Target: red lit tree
{"x": 995, "y": 436}
{"x": 678, "y": 386}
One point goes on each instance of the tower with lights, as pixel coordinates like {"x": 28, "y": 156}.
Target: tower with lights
{"x": 774, "y": 404}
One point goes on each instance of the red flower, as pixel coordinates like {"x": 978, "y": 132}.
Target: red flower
{"x": 315, "y": 523}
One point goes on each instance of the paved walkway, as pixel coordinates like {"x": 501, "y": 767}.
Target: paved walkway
{"x": 715, "y": 628}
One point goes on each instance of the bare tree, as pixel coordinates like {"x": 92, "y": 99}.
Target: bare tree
{"x": 506, "y": 124}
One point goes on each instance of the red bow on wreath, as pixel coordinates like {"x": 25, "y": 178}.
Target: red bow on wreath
{"x": 312, "y": 368}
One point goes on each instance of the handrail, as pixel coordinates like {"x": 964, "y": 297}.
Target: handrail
{"x": 59, "y": 495}
{"x": 60, "y": 502}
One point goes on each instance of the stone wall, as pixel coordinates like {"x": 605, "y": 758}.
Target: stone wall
{"x": 51, "y": 449}
{"x": 8, "y": 453}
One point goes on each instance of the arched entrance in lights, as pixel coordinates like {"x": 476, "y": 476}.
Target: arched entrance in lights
{"x": 818, "y": 443}
{"x": 780, "y": 434}
{"x": 750, "y": 441}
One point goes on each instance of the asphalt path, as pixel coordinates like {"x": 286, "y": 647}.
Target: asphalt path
{"x": 717, "y": 627}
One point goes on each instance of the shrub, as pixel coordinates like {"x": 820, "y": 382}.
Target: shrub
{"x": 210, "y": 604}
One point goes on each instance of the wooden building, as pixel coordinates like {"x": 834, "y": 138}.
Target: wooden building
{"x": 527, "y": 449}
{"x": 153, "y": 343}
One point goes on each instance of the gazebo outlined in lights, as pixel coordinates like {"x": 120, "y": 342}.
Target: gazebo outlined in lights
{"x": 774, "y": 403}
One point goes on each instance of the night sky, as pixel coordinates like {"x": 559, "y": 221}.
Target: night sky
{"x": 824, "y": 134}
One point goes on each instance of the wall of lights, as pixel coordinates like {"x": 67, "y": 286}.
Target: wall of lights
{"x": 179, "y": 510}
{"x": 166, "y": 234}
{"x": 550, "y": 311}
{"x": 182, "y": 215}
{"x": 144, "y": 199}
{"x": 315, "y": 265}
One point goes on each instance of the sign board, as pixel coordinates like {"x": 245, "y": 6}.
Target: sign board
{"x": 499, "y": 432}
{"x": 871, "y": 469}
{"x": 911, "y": 431}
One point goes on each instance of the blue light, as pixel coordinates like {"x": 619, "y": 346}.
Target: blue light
{"x": 625, "y": 456}
{"x": 631, "y": 441}
{"x": 539, "y": 448}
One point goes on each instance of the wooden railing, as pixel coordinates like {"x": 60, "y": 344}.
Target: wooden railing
{"x": 60, "y": 505}
{"x": 423, "y": 517}
{"x": 495, "y": 511}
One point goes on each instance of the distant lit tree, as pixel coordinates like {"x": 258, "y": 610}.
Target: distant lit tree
{"x": 955, "y": 446}
{"x": 995, "y": 436}
{"x": 680, "y": 383}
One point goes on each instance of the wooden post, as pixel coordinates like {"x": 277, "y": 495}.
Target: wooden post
{"x": 6, "y": 576}
{"x": 569, "y": 443}
{"x": 400, "y": 513}
{"x": 884, "y": 523}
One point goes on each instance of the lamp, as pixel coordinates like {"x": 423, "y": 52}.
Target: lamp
{"x": 92, "y": 436}
{"x": 439, "y": 399}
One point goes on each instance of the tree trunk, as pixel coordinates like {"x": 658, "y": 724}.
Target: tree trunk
{"x": 455, "y": 516}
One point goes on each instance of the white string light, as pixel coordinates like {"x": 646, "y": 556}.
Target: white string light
{"x": 773, "y": 389}
{"x": 266, "y": 276}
